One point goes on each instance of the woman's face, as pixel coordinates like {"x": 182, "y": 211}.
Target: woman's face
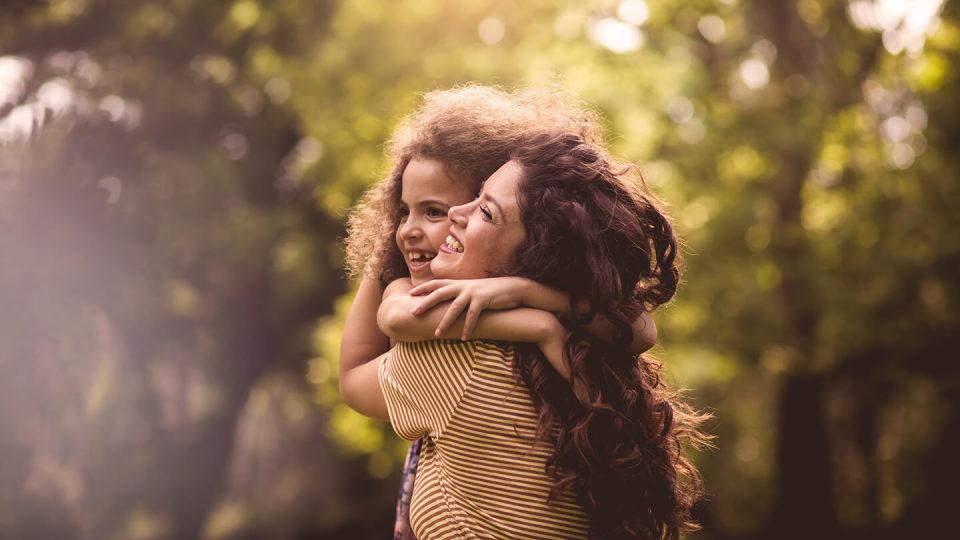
{"x": 427, "y": 194}
{"x": 485, "y": 232}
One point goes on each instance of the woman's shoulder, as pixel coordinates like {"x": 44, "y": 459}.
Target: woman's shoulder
{"x": 503, "y": 349}
{"x": 441, "y": 347}
{"x": 456, "y": 358}
{"x": 435, "y": 346}
{"x": 474, "y": 344}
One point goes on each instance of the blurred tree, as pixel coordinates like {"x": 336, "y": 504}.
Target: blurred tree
{"x": 174, "y": 177}
{"x": 812, "y": 246}
{"x": 164, "y": 256}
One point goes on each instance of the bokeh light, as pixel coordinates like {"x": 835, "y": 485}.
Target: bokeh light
{"x": 175, "y": 185}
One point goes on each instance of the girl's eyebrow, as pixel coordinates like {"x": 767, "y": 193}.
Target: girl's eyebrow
{"x": 433, "y": 201}
{"x": 425, "y": 203}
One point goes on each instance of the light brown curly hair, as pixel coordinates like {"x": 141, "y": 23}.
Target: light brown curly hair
{"x": 471, "y": 130}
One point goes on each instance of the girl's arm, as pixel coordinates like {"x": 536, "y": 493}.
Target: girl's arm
{"x": 362, "y": 342}
{"x": 527, "y": 325}
{"x": 477, "y": 295}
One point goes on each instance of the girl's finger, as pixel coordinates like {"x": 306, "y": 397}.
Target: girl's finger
{"x": 434, "y": 298}
{"x": 454, "y": 311}
{"x": 470, "y": 321}
{"x": 428, "y": 287}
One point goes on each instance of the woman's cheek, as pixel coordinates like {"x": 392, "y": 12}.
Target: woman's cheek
{"x": 505, "y": 251}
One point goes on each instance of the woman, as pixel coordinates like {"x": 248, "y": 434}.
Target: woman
{"x": 598, "y": 455}
{"x": 441, "y": 154}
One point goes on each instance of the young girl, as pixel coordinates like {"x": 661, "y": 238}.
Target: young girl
{"x": 442, "y": 154}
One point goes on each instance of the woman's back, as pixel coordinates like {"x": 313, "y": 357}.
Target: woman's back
{"x": 481, "y": 472}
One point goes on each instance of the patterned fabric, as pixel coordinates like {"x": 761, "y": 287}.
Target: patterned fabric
{"x": 401, "y": 525}
{"x": 481, "y": 473}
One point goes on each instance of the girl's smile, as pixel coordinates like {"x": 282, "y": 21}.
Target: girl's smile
{"x": 427, "y": 194}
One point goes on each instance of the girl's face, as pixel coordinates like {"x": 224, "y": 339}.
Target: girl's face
{"x": 426, "y": 196}
{"x": 485, "y": 232}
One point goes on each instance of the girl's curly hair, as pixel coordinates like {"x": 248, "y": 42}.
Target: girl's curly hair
{"x": 616, "y": 430}
{"x": 471, "y": 130}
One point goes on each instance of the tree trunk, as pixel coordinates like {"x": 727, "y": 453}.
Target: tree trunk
{"x": 804, "y": 507}
{"x": 929, "y": 516}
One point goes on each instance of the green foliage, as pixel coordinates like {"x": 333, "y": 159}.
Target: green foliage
{"x": 354, "y": 432}
{"x": 171, "y": 217}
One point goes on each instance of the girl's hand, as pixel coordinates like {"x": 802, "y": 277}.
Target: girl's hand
{"x": 553, "y": 346}
{"x": 472, "y": 295}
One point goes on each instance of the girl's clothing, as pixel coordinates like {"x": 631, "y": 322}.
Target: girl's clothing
{"x": 481, "y": 474}
{"x": 401, "y": 525}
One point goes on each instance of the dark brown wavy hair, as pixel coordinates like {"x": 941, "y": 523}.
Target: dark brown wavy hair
{"x": 618, "y": 433}
{"x": 471, "y": 130}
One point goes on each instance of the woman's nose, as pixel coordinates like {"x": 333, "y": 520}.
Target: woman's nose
{"x": 458, "y": 214}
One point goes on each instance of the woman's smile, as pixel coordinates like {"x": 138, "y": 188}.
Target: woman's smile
{"x": 452, "y": 244}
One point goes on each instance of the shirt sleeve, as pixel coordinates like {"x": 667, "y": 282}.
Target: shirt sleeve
{"x": 423, "y": 384}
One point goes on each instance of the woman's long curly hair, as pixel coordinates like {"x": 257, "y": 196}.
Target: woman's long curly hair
{"x": 618, "y": 433}
{"x": 471, "y": 130}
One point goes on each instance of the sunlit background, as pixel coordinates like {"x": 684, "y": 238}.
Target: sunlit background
{"x": 175, "y": 175}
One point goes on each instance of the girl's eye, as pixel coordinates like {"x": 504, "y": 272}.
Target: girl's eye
{"x": 436, "y": 213}
{"x": 487, "y": 215}
{"x": 404, "y": 212}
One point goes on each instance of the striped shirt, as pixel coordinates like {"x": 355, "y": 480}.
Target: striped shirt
{"x": 481, "y": 474}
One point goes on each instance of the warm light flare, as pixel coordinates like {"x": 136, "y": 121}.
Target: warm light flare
{"x": 616, "y": 35}
{"x": 904, "y": 24}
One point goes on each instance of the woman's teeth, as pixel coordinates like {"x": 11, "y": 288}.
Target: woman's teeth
{"x": 454, "y": 244}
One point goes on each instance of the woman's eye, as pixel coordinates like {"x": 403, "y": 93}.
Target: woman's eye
{"x": 404, "y": 212}
{"x": 436, "y": 213}
{"x": 487, "y": 215}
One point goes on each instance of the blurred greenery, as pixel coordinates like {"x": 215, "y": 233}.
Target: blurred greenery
{"x": 175, "y": 175}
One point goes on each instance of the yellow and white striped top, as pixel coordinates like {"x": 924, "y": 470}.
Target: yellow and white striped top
{"x": 481, "y": 475}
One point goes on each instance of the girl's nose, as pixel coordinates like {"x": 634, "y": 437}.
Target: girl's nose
{"x": 408, "y": 230}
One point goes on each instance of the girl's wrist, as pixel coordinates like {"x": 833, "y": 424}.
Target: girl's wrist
{"x": 525, "y": 291}
{"x": 550, "y": 327}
